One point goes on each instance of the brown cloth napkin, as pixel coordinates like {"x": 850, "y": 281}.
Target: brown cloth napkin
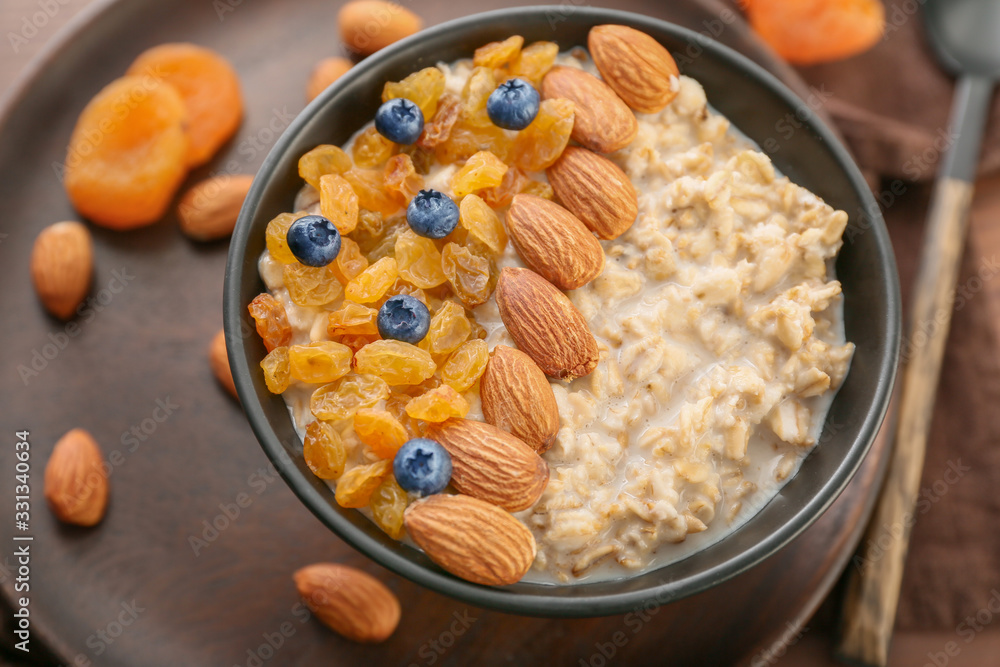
{"x": 892, "y": 105}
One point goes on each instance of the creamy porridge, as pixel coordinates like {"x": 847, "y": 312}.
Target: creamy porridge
{"x": 720, "y": 336}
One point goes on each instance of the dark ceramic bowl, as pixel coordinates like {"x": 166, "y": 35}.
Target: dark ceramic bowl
{"x": 757, "y": 104}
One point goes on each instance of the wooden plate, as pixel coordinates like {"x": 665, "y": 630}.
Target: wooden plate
{"x": 192, "y": 564}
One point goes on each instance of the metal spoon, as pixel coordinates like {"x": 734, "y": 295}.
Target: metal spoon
{"x": 966, "y": 36}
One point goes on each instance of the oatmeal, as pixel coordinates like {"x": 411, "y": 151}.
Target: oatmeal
{"x": 716, "y": 317}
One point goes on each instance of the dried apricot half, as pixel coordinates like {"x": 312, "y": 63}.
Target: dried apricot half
{"x": 806, "y": 32}
{"x": 126, "y": 156}
{"x": 210, "y": 89}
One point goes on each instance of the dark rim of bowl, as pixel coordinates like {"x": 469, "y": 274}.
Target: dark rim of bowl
{"x": 547, "y": 605}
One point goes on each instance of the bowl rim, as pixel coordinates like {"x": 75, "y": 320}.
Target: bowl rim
{"x": 578, "y": 605}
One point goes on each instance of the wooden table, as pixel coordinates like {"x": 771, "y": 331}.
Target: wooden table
{"x": 809, "y": 641}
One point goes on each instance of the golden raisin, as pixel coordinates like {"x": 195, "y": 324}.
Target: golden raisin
{"x": 355, "y": 487}
{"x": 275, "y": 366}
{"x": 350, "y": 262}
{"x": 380, "y": 431}
{"x": 464, "y": 141}
{"x": 539, "y": 189}
{"x": 402, "y": 287}
{"x": 371, "y": 149}
{"x": 338, "y": 202}
{"x": 475, "y": 94}
{"x": 369, "y": 184}
{"x": 401, "y": 178}
{"x": 127, "y": 155}
{"x": 482, "y": 223}
{"x": 395, "y": 362}
{"x": 498, "y": 54}
{"x": 341, "y": 399}
{"x": 513, "y": 181}
{"x": 372, "y": 283}
{"x": 319, "y": 362}
{"x": 438, "y": 129}
{"x": 388, "y": 503}
{"x": 277, "y": 238}
{"x": 422, "y": 157}
{"x": 423, "y": 88}
{"x": 539, "y": 145}
{"x": 437, "y": 405}
{"x": 311, "y": 285}
{"x": 449, "y": 329}
{"x": 466, "y": 365}
{"x": 482, "y": 170}
{"x": 209, "y": 86}
{"x": 352, "y": 319}
{"x": 418, "y": 260}
{"x": 324, "y": 451}
{"x": 468, "y": 274}
{"x": 272, "y": 322}
{"x": 322, "y": 160}
{"x": 534, "y": 61}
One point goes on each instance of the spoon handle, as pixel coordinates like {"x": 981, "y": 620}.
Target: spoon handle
{"x": 872, "y": 596}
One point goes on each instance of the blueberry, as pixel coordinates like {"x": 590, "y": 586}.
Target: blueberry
{"x": 399, "y": 120}
{"x": 422, "y": 466}
{"x": 513, "y": 105}
{"x": 313, "y": 240}
{"x": 404, "y": 318}
{"x": 432, "y": 214}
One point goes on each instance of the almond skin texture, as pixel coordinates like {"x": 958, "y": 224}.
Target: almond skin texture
{"x": 595, "y": 190}
{"x": 603, "y": 122}
{"x": 350, "y": 602}
{"x": 62, "y": 265}
{"x": 219, "y": 361}
{"x": 369, "y": 25}
{"x": 76, "y": 485}
{"x": 518, "y": 398}
{"x": 553, "y": 242}
{"x": 324, "y": 73}
{"x": 491, "y": 464}
{"x": 635, "y": 65}
{"x": 471, "y": 539}
{"x": 208, "y": 211}
{"x": 545, "y": 324}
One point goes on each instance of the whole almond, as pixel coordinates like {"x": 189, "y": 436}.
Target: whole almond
{"x": 545, "y": 324}
{"x": 369, "y": 25}
{"x": 62, "y": 265}
{"x": 635, "y": 65}
{"x": 350, "y": 602}
{"x": 471, "y": 539}
{"x": 208, "y": 211}
{"x": 491, "y": 464}
{"x": 518, "y": 398}
{"x": 603, "y": 122}
{"x": 76, "y": 484}
{"x": 324, "y": 73}
{"x": 219, "y": 360}
{"x": 595, "y": 190}
{"x": 553, "y": 242}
